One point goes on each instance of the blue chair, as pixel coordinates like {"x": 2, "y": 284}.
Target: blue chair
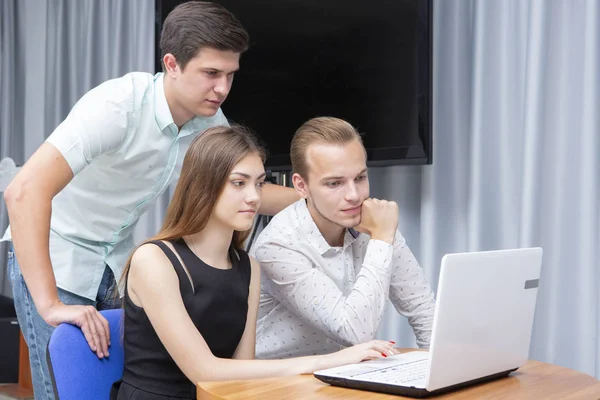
{"x": 77, "y": 372}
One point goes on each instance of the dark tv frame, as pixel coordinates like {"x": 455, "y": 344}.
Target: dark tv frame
{"x": 376, "y": 157}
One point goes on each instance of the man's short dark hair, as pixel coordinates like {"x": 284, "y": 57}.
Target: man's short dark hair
{"x": 194, "y": 25}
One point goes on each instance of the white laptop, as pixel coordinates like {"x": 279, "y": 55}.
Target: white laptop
{"x": 481, "y": 328}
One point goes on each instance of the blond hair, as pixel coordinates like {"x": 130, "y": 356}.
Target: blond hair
{"x": 321, "y": 129}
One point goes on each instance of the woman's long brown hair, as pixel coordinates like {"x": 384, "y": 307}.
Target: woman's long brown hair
{"x": 206, "y": 167}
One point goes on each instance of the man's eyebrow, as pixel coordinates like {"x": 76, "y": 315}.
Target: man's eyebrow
{"x": 334, "y": 177}
{"x": 331, "y": 177}
{"x": 218, "y": 70}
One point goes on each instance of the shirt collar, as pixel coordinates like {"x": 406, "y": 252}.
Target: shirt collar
{"x": 162, "y": 112}
{"x": 193, "y": 126}
{"x": 315, "y": 237}
{"x": 163, "y": 115}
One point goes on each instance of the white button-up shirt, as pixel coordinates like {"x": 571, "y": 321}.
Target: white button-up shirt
{"x": 124, "y": 148}
{"x": 317, "y": 299}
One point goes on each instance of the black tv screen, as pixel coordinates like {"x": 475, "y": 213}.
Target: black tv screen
{"x": 366, "y": 61}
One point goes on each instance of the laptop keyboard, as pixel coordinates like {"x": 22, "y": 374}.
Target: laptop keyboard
{"x": 401, "y": 374}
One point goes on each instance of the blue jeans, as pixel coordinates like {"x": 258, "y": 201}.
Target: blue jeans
{"x": 37, "y": 332}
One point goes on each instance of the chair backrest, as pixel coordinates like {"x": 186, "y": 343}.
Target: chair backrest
{"x": 77, "y": 372}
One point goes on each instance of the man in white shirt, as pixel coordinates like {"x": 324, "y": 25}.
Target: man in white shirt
{"x": 74, "y": 204}
{"x": 324, "y": 284}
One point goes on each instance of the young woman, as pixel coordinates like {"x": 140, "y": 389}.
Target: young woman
{"x": 191, "y": 292}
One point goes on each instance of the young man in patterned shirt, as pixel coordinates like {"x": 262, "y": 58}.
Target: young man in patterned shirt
{"x": 331, "y": 260}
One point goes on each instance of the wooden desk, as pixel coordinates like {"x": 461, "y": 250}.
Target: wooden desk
{"x": 535, "y": 380}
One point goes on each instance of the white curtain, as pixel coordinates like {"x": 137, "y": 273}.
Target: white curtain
{"x": 11, "y": 107}
{"x": 516, "y": 159}
{"x": 54, "y": 51}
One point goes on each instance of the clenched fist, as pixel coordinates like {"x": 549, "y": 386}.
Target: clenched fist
{"x": 379, "y": 219}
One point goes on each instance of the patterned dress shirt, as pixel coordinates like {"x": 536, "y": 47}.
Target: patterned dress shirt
{"x": 317, "y": 299}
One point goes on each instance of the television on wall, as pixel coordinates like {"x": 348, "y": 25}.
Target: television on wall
{"x": 366, "y": 61}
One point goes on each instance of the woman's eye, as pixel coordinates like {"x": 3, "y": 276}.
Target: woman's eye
{"x": 238, "y": 183}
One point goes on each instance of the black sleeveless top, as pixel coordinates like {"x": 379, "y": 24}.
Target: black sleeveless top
{"x": 218, "y": 306}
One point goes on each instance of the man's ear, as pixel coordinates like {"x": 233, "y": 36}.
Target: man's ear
{"x": 170, "y": 63}
{"x": 300, "y": 185}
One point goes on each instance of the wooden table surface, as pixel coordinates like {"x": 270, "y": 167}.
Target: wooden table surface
{"x": 534, "y": 380}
